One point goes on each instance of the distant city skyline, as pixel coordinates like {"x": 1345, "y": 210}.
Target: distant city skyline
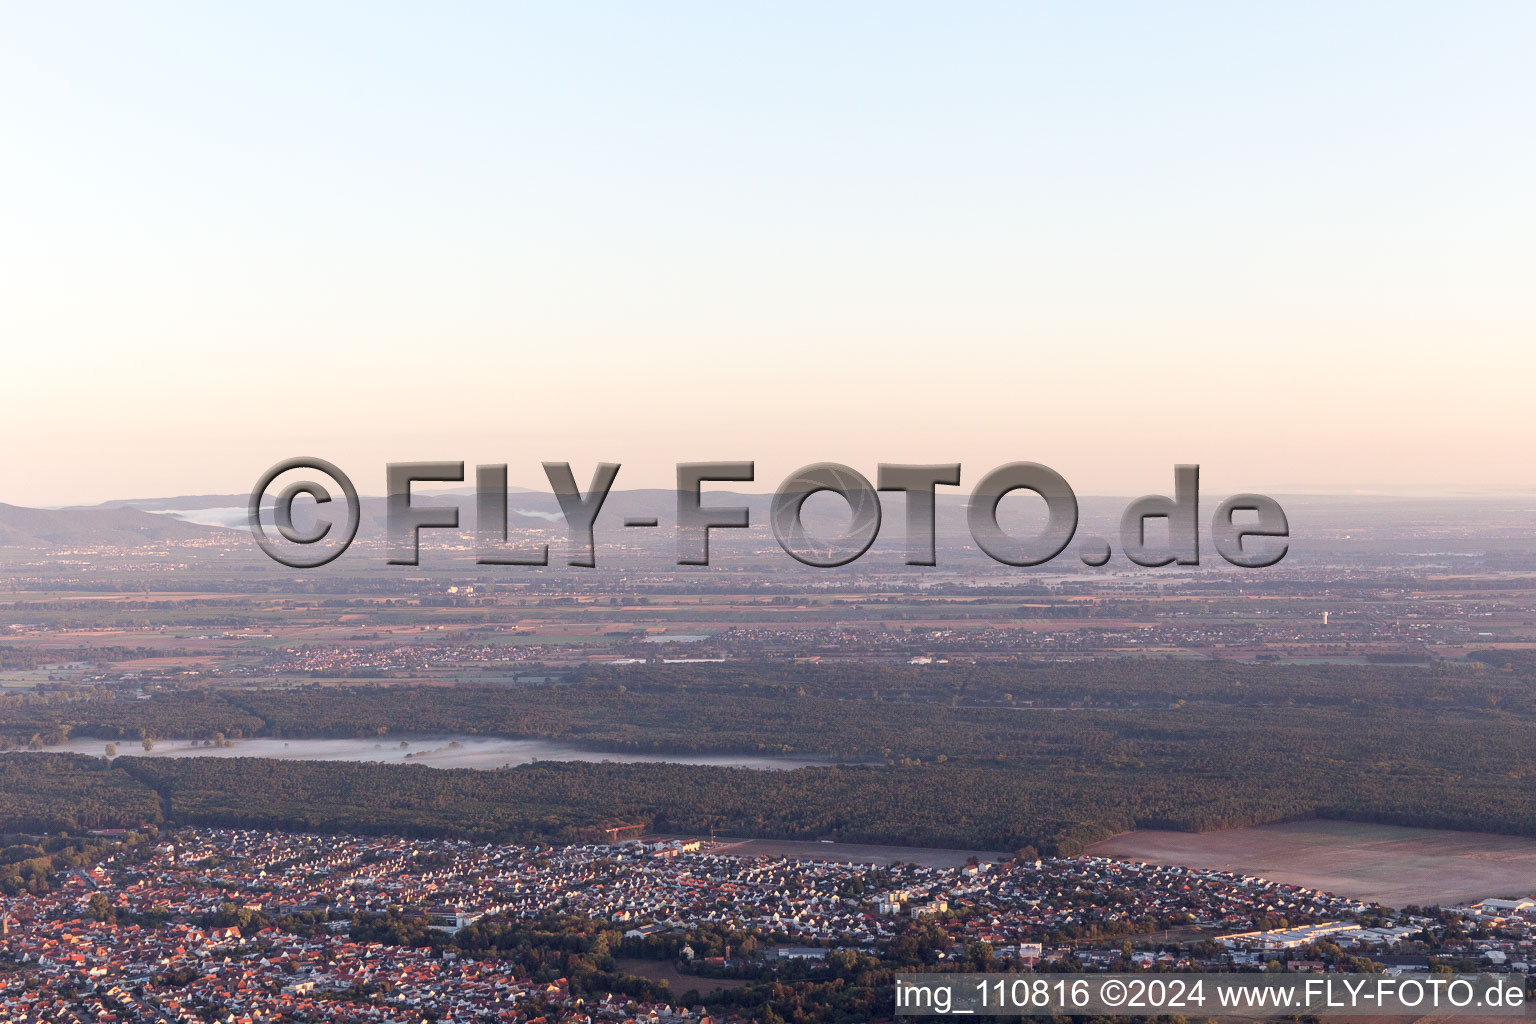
{"x": 1292, "y": 245}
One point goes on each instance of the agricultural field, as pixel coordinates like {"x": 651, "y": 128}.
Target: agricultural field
{"x": 1387, "y": 864}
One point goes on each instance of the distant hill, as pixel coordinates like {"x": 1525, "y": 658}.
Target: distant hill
{"x": 184, "y": 501}
{"x": 22, "y": 527}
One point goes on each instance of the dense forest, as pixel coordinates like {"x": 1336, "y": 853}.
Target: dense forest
{"x": 845, "y": 711}
{"x": 993, "y": 757}
{"x": 68, "y": 793}
{"x": 982, "y": 803}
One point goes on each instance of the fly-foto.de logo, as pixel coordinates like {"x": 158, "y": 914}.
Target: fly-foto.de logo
{"x": 1248, "y": 530}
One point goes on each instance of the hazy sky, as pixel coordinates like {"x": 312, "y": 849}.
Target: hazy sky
{"x": 1294, "y": 243}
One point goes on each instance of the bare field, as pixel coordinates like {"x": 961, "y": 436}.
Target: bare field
{"x": 665, "y": 970}
{"x": 1382, "y": 863}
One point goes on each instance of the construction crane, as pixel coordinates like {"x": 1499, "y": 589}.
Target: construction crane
{"x": 613, "y": 833}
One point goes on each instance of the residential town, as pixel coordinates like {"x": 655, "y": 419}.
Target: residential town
{"x": 245, "y": 926}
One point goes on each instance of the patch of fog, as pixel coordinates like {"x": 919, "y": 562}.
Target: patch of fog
{"x": 228, "y": 517}
{"x": 433, "y": 751}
